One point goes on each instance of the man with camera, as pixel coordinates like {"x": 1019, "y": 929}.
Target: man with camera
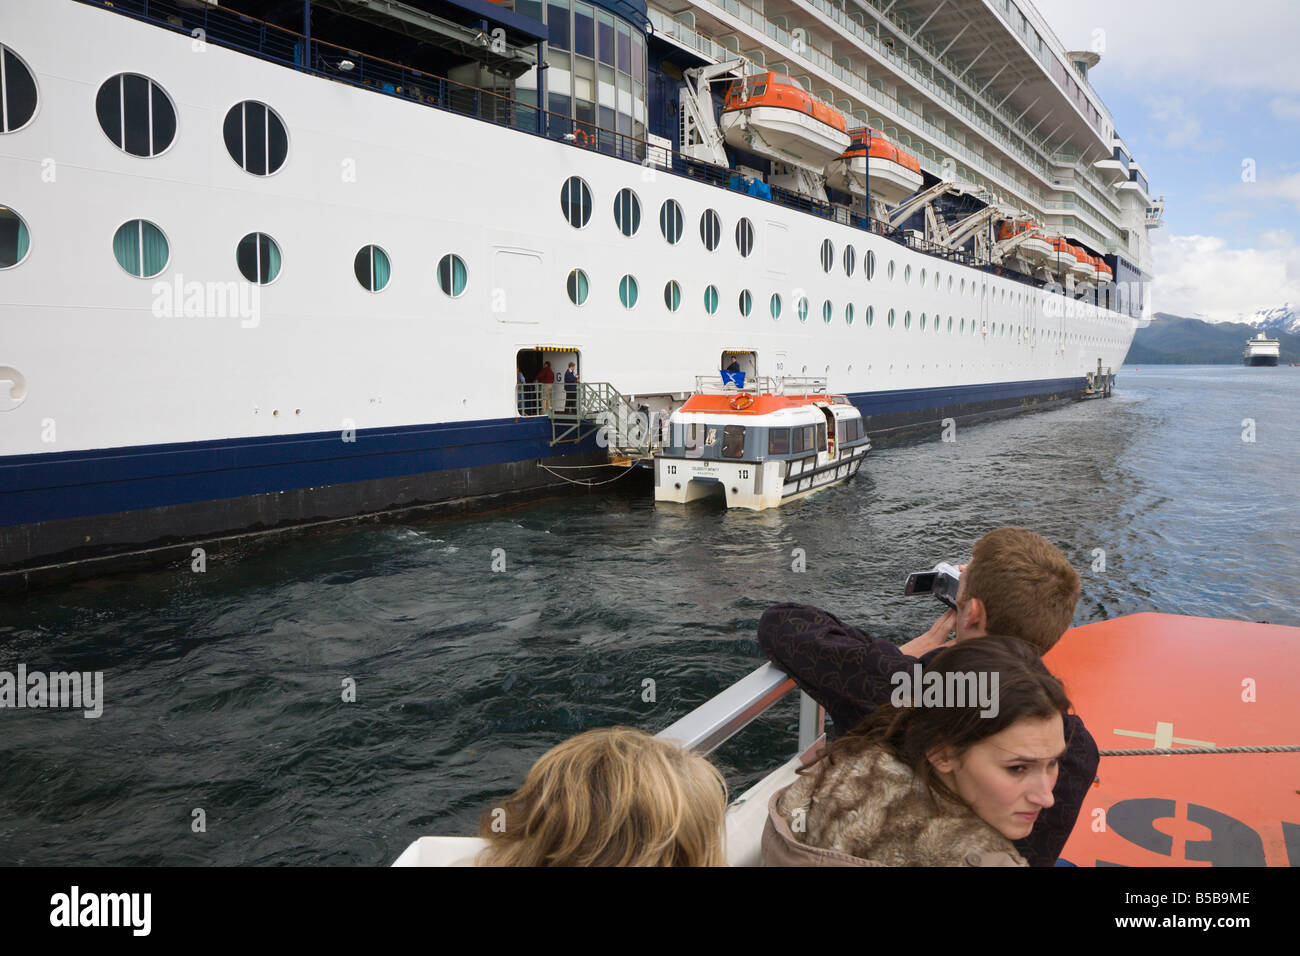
{"x": 1017, "y": 584}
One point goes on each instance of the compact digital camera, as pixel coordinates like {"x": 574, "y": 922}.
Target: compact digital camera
{"x": 941, "y": 581}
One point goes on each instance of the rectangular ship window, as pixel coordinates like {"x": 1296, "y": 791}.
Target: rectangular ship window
{"x": 778, "y": 441}
{"x": 733, "y": 441}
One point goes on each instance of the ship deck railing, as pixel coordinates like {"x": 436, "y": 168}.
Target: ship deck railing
{"x": 227, "y": 28}
{"x": 762, "y": 385}
{"x": 717, "y": 720}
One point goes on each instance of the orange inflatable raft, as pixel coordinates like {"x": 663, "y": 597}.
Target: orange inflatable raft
{"x": 1160, "y": 682}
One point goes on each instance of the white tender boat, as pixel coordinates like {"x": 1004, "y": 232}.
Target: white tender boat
{"x": 761, "y": 445}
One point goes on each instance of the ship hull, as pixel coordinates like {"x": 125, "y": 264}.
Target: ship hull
{"x": 1261, "y": 361}
{"x": 142, "y": 424}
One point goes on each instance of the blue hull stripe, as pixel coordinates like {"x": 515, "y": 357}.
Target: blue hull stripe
{"x": 56, "y": 485}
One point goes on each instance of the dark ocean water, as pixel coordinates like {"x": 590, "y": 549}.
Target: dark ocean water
{"x": 223, "y": 690}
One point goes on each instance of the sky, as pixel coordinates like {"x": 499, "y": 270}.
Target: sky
{"x": 1207, "y": 98}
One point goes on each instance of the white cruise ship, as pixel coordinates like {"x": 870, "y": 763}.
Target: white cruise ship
{"x": 1261, "y": 350}
{"x": 271, "y": 262}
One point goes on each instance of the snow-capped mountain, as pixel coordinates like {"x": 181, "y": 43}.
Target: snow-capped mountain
{"x": 1284, "y": 318}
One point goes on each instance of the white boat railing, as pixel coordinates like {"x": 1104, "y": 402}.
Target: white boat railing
{"x": 763, "y": 385}
{"x": 720, "y": 718}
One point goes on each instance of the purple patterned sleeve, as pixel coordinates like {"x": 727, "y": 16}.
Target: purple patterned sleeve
{"x": 843, "y": 669}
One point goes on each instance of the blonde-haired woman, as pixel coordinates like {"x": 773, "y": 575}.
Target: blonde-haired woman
{"x": 611, "y": 797}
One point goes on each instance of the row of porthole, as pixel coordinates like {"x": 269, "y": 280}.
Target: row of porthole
{"x": 578, "y": 286}
{"x": 576, "y": 204}
{"x": 139, "y": 118}
{"x": 142, "y": 250}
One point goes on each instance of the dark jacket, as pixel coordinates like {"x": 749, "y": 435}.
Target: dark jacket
{"x": 848, "y": 672}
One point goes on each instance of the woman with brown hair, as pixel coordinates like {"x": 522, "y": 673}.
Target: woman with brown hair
{"x": 946, "y": 774}
{"x": 611, "y": 797}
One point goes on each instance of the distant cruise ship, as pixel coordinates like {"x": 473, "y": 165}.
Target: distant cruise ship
{"x": 1262, "y": 351}
{"x": 270, "y": 262}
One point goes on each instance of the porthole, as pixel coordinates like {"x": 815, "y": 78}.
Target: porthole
{"x": 962, "y": 288}
{"x": 258, "y": 258}
{"x": 711, "y": 299}
{"x": 950, "y": 283}
{"x": 850, "y": 260}
{"x": 577, "y": 286}
{"x": 827, "y": 311}
{"x": 802, "y": 308}
{"x": 922, "y": 283}
{"x": 744, "y": 237}
{"x": 372, "y": 268}
{"x": 627, "y": 212}
{"x": 922, "y": 321}
{"x": 141, "y": 248}
{"x": 575, "y": 201}
{"x": 255, "y": 138}
{"x": 848, "y": 314}
{"x": 828, "y": 255}
{"x": 891, "y": 318}
{"x": 871, "y": 314}
{"x": 907, "y": 274}
{"x": 627, "y": 291}
{"x": 746, "y": 303}
{"x": 452, "y": 275}
{"x": 17, "y": 92}
{"x": 950, "y": 325}
{"x": 907, "y": 319}
{"x": 670, "y": 221}
{"x": 961, "y": 328}
{"x": 672, "y": 295}
{"x": 775, "y": 305}
{"x": 15, "y": 240}
{"x": 135, "y": 114}
{"x": 936, "y": 279}
{"x": 710, "y": 229}
{"x": 889, "y": 272}
{"x": 869, "y": 265}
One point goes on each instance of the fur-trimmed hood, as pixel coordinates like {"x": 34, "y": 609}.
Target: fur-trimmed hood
{"x": 894, "y": 821}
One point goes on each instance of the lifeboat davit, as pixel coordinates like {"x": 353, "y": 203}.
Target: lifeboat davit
{"x": 1037, "y": 250}
{"x": 874, "y": 160}
{"x": 773, "y": 116}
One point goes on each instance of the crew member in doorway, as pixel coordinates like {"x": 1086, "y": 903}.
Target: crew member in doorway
{"x": 546, "y": 377}
{"x": 519, "y": 392}
{"x": 734, "y": 366}
{"x": 570, "y": 389}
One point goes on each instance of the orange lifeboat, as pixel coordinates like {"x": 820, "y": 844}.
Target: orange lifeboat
{"x": 875, "y": 161}
{"x": 772, "y": 116}
{"x": 1081, "y": 267}
{"x": 1037, "y": 250}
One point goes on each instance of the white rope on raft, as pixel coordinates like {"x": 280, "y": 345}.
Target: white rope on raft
{"x": 585, "y": 484}
{"x": 1172, "y": 751}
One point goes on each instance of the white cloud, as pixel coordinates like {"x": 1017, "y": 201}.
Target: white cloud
{"x": 1285, "y": 109}
{"x": 1178, "y": 128}
{"x": 1285, "y": 188}
{"x": 1204, "y": 44}
{"x": 1200, "y": 277}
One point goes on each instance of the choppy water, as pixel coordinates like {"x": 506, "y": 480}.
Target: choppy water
{"x": 223, "y": 690}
